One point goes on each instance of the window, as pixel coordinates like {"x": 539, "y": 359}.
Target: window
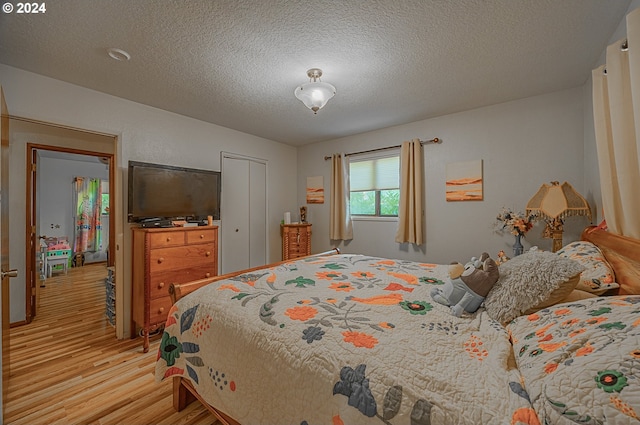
{"x": 105, "y": 204}
{"x": 375, "y": 186}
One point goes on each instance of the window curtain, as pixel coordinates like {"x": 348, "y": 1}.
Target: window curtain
{"x": 616, "y": 112}
{"x": 88, "y": 208}
{"x": 410, "y": 220}
{"x": 340, "y": 225}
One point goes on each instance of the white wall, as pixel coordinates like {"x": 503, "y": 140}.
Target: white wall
{"x": 55, "y": 195}
{"x": 523, "y": 144}
{"x": 144, "y": 134}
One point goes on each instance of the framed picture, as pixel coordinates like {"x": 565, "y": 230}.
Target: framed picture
{"x": 464, "y": 181}
{"x": 315, "y": 190}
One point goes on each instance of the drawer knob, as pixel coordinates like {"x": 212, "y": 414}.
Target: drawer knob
{"x": 208, "y": 253}
{"x": 161, "y": 310}
{"x": 161, "y": 285}
{"x": 207, "y": 275}
{"x": 160, "y": 260}
{"x": 201, "y": 236}
{"x": 168, "y": 238}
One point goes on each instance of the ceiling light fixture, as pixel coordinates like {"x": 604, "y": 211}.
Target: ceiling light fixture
{"x": 315, "y": 94}
{"x": 118, "y": 54}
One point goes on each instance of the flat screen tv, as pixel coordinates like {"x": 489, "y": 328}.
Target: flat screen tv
{"x": 167, "y": 192}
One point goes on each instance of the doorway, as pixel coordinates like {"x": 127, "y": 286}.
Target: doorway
{"x": 52, "y": 220}
{"x": 71, "y": 205}
{"x": 32, "y": 139}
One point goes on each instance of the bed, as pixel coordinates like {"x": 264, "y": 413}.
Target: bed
{"x": 352, "y": 339}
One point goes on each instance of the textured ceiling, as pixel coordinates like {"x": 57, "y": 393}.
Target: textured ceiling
{"x": 236, "y": 63}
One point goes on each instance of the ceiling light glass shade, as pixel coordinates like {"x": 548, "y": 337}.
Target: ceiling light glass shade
{"x": 315, "y": 94}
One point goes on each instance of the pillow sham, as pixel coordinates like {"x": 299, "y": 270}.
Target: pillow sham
{"x": 554, "y": 298}
{"x": 578, "y": 295}
{"x": 598, "y": 276}
{"x": 530, "y": 280}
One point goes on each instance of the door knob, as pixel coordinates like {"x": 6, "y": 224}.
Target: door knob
{"x": 10, "y": 273}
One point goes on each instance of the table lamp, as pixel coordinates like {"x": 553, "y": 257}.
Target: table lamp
{"x": 554, "y": 203}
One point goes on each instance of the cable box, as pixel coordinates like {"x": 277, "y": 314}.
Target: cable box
{"x": 156, "y": 223}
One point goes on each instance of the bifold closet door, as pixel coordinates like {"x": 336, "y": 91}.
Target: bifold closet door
{"x": 257, "y": 214}
{"x": 243, "y": 214}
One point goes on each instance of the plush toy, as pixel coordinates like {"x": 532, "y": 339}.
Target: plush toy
{"x": 502, "y": 257}
{"x": 468, "y": 285}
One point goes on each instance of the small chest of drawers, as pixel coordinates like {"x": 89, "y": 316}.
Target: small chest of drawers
{"x": 162, "y": 257}
{"x": 296, "y": 240}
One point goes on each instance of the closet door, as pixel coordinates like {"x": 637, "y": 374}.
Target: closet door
{"x": 234, "y": 215}
{"x": 243, "y": 216}
{"x": 257, "y": 214}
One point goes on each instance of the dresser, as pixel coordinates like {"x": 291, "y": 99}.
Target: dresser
{"x": 162, "y": 257}
{"x": 296, "y": 240}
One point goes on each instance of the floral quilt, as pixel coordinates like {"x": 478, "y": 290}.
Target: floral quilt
{"x": 343, "y": 339}
{"x": 580, "y": 361}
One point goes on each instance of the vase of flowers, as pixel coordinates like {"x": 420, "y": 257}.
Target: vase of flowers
{"x": 517, "y": 224}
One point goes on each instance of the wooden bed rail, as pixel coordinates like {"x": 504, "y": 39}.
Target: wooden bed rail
{"x": 179, "y": 290}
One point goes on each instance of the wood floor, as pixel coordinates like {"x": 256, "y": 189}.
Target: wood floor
{"x": 67, "y": 367}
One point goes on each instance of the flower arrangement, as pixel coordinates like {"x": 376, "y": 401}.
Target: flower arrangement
{"x": 515, "y": 223}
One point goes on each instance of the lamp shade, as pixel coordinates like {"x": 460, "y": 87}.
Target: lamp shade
{"x": 557, "y": 201}
{"x": 553, "y": 203}
{"x": 315, "y": 95}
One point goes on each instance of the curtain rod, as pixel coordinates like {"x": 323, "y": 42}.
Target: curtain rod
{"x": 422, "y": 142}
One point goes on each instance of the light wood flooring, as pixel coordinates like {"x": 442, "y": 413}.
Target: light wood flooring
{"x": 67, "y": 367}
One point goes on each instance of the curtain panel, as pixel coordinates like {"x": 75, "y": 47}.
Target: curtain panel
{"x": 616, "y": 111}
{"x": 410, "y": 220}
{"x": 340, "y": 224}
{"x": 88, "y": 210}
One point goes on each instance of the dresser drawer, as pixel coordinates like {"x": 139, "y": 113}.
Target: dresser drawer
{"x": 158, "y": 310}
{"x": 165, "y": 239}
{"x": 182, "y": 257}
{"x": 201, "y": 236}
{"x": 294, "y": 247}
{"x": 159, "y": 281}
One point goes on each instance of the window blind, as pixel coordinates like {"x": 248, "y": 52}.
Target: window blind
{"x": 375, "y": 174}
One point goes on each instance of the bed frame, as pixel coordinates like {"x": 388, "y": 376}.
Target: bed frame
{"x": 623, "y": 253}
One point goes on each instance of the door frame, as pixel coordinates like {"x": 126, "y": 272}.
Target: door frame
{"x": 5, "y": 363}
{"x": 31, "y": 243}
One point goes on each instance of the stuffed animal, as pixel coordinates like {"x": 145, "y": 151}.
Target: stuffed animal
{"x": 502, "y": 257}
{"x": 468, "y": 285}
